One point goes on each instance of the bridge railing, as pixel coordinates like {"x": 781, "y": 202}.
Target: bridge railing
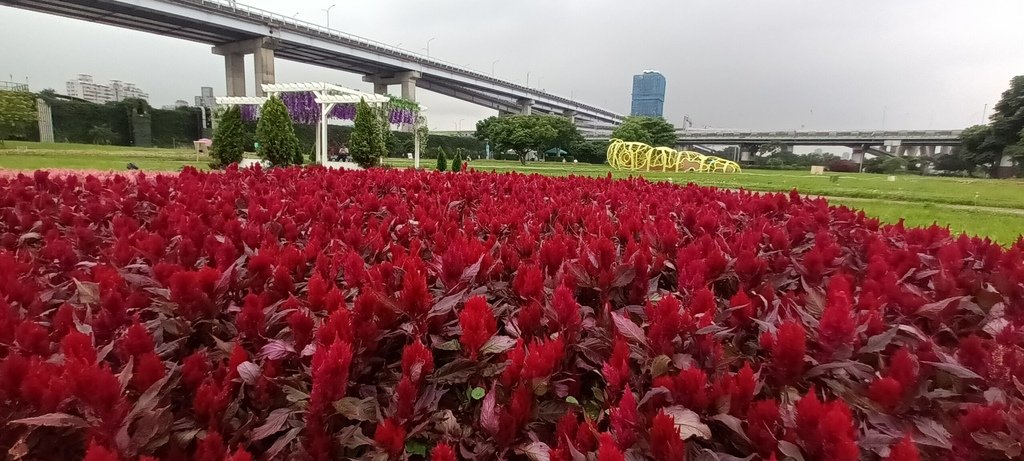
{"x": 283, "y": 21}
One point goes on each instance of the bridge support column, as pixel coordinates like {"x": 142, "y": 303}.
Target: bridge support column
{"x": 857, "y": 156}
{"x": 571, "y": 115}
{"x": 263, "y": 61}
{"x": 406, "y": 79}
{"x": 234, "y": 70}
{"x": 1006, "y": 168}
{"x": 747, "y": 152}
{"x": 945, "y": 150}
{"x": 525, "y": 106}
{"x": 262, "y": 49}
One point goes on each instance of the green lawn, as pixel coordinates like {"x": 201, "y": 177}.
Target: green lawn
{"x": 1002, "y": 227}
{"x": 874, "y": 194}
{"x": 964, "y": 191}
{"x": 33, "y": 156}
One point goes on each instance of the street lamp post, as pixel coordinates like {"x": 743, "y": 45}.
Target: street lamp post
{"x": 527, "y": 79}
{"x": 492, "y": 66}
{"x": 328, "y": 11}
{"x": 296, "y": 14}
{"x": 428, "y": 45}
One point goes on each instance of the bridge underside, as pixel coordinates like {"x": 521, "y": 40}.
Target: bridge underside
{"x": 219, "y": 24}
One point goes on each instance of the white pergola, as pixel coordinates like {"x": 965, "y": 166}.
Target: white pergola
{"x": 327, "y": 95}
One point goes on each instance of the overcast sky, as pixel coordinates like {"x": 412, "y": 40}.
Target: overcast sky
{"x": 757, "y": 64}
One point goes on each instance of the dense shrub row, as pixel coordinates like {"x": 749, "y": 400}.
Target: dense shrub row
{"x": 386, "y": 314}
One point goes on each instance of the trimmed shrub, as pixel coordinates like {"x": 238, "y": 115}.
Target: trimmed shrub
{"x": 275, "y": 135}
{"x": 228, "y": 141}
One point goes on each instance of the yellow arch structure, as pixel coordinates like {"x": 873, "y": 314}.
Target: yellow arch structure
{"x": 637, "y": 156}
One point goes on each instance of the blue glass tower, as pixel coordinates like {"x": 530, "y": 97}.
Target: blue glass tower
{"x": 648, "y": 94}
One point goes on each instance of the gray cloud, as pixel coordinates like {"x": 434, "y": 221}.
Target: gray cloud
{"x": 783, "y": 64}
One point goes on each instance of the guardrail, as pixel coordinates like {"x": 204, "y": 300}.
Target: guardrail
{"x": 903, "y": 134}
{"x": 275, "y": 19}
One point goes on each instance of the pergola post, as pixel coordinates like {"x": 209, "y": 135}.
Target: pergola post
{"x": 416, "y": 142}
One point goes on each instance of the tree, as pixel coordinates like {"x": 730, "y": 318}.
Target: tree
{"x": 367, "y": 144}
{"x": 893, "y": 165}
{"x": 276, "y": 135}
{"x": 442, "y": 162}
{"x": 228, "y": 141}
{"x": 1008, "y": 120}
{"x": 101, "y": 134}
{"x": 528, "y": 133}
{"x": 655, "y": 131}
{"x": 980, "y": 147}
{"x": 17, "y": 113}
{"x": 457, "y": 161}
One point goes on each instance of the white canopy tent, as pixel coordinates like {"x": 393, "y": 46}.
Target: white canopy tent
{"x": 327, "y": 95}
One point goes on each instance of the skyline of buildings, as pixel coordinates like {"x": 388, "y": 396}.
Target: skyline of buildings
{"x": 85, "y": 87}
{"x": 648, "y": 94}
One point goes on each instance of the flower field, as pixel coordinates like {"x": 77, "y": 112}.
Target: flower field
{"x": 308, "y": 314}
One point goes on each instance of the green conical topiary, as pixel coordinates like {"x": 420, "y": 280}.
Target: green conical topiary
{"x": 457, "y": 161}
{"x": 442, "y": 162}
{"x": 367, "y": 141}
{"x": 229, "y": 139}
{"x": 276, "y": 135}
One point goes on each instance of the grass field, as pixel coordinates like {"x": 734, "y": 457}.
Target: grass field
{"x": 962, "y": 191}
{"x": 34, "y": 155}
{"x": 993, "y": 208}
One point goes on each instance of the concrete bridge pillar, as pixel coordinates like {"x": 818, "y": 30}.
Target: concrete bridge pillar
{"x": 234, "y": 70}
{"x": 857, "y": 155}
{"x": 262, "y": 49}
{"x": 525, "y": 106}
{"x": 747, "y": 151}
{"x": 406, "y": 79}
{"x": 571, "y": 115}
{"x": 945, "y": 150}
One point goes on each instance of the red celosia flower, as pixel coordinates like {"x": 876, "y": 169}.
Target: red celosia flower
{"x": 608, "y": 450}
{"x": 741, "y": 390}
{"x": 97, "y": 452}
{"x": 405, "y": 398}
{"x": 302, "y": 328}
{"x": 417, "y": 361}
{"x": 762, "y": 426}
{"x": 442, "y": 452}
{"x": 33, "y": 338}
{"x": 888, "y": 392}
{"x": 96, "y": 386}
{"x": 316, "y": 292}
{"x": 517, "y": 357}
{"x": 414, "y": 299}
{"x": 194, "y": 369}
{"x": 543, "y": 359}
{"x": 904, "y": 450}
{"x": 903, "y": 367}
{"x": 529, "y": 317}
{"x": 788, "y": 350}
{"x": 838, "y": 327}
{"x": 616, "y": 369}
{"x": 826, "y": 429}
{"x": 78, "y": 346}
{"x": 251, "y": 319}
{"x": 148, "y": 370}
{"x": 390, "y": 437}
{"x": 625, "y": 420}
{"x": 135, "y": 342}
{"x": 529, "y": 282}
{"x": 520, "y": 409}
{"x": 568, "y": 319}
{"x": 742, "y": 307}
{"x": 211, "y": 448}
{"x": 338, "y": 327}
{"x": 478, "y": 325}
{"x": 666, "y": 444}
{"x": 664, "y": 325}
{"x": 210, "y": 401}
{"x": 688, "y": 388}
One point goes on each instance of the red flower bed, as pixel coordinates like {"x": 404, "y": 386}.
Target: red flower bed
{"x": 309, "y": 314}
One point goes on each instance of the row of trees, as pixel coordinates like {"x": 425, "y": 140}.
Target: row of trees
{"x": 277, "y": 143}
{"x": 985, "y": 146}
{"x": 525, "y": 134}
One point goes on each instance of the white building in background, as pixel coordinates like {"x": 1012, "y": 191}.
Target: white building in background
{"x": 84, "y": 87}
